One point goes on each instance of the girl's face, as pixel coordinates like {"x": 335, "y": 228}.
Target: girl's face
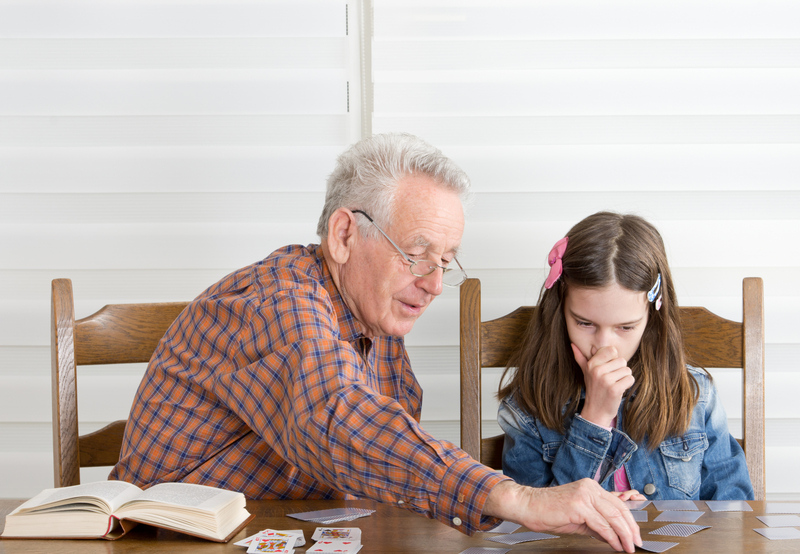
{"x": 609, "y": 316}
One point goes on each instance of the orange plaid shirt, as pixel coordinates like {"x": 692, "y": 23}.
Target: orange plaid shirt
{"x": 263, "y": 385}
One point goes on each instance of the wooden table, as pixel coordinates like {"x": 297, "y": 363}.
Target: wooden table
{"x": 392, "y": 530}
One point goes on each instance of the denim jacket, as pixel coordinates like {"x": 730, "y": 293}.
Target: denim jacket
{"x": 705, "y": 464}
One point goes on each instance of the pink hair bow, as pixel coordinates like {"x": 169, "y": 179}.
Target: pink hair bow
{"x": 554, "y": 259}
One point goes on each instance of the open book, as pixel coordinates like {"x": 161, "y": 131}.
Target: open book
{"x": 109, "y": 509}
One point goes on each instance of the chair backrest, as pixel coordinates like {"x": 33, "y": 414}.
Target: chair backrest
{"x": 711, "y": 341}
{"x": 117, "y": 334}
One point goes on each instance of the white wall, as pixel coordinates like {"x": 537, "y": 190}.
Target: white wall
{"x": 149, "y": 148}
{"x": 685, "y": 112}
{"x": 146, "y": 150}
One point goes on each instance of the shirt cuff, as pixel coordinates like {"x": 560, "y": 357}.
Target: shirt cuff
{"x": 465, "y": 487}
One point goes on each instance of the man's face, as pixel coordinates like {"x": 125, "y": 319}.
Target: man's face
{"x": 376, "y": 282}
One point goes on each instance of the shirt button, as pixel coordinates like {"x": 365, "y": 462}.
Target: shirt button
{"x": 689, "y": 459}
{"x": 461, "y": 498}
{"x": 456, "y": 521}
{"x": 649, "y": 489}
{"x": 400, "y": 502}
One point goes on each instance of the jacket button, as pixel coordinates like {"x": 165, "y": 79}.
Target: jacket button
{"x": 649, "y": 489}
{"x": 689, "y": 459}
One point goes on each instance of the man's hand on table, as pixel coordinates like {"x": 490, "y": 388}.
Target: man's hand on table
{"x": 582, "y": 507}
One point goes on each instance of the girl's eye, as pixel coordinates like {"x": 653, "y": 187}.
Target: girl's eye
{"x": 583, "y": 323}
{"x": 628, "y": 328}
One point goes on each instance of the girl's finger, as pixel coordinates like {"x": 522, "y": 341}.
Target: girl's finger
{"x": 579, "y": 357}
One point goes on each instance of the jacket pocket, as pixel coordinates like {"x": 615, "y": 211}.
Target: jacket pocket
{"x": 683, "y": 459}
{"x": 549, "y": 451}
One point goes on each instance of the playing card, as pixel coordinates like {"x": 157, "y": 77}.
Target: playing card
{"x": 335, "y": 547}
{"x": 782, "y": 508}
{"x": 637, "y": 504}
{"x": 332, "y": 516}
{"x": 780, "y": 521}
{"x": 679, "y": 530}
{"x": 272, "y": 543}
{"x": 663, "y": 505}
{"x": 484, "y": 550}
{"x": 505, "y": 527}
{"x": 337, "y": 533}
{"x": 728, "y": 506}
{"x": 779, "y": 533}
{"x": 298, "y": 533}
{"x": 639, "y": 515}
{"x": 657, "y": 546}
{"x": 680, "y": 517}
{"x": 516, "y": 538}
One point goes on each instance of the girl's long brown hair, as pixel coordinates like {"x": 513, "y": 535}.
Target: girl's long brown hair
{"x": 543, "y": 375}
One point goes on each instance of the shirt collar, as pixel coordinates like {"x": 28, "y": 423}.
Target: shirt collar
{"x": 348, "y": 326}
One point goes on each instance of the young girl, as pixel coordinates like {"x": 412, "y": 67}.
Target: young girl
{"x": 602, "y": 388}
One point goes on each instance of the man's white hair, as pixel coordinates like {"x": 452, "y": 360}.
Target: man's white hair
{"x": 367, "y": 174}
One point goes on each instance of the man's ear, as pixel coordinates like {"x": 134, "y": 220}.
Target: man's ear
{"x": 342, "y": 234}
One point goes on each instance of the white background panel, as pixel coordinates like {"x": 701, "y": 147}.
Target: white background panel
{"x": 173, "y": 92}
{"x": 656, "y": 205}
{"x": 590, "y": 92}
{"x": 641, "y": 129}
{"x": 157, "y": 245}
{"x": 628, "y": 167}
{"x": 176, "y": 53}
{"x": 584, "y": 19}
{"x": 25, "y": 473}
{"x": 782, "y": 476}
{"x": 163, "y": 169}
{"x": 176, "y": 18}
{"x": 95, "y": 288}
{"x": 172, "y": 130}
{"x": 480, "y": 54}
{"x": 156, "y": 208}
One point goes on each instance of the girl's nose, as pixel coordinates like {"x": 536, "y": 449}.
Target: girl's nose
{"x": 601, "y": 338}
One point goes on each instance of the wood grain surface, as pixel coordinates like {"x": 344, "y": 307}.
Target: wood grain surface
{"x": 393, "y": 530}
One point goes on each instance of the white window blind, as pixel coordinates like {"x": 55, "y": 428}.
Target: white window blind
{"x": 148, "y": 148}
{"x": 687, "y": 112}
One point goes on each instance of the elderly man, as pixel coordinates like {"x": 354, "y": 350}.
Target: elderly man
{"x": 289, "y": 378}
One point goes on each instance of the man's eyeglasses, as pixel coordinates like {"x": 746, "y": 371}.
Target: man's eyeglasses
{"x": 451, "y": 277}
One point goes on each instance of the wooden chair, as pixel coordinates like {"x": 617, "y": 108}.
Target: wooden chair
{"x": 117, "y": 334}
{"x": 711, "y": 341}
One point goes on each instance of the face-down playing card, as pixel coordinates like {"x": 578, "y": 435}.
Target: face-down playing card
{"x": 657, "y": 546}
{"x": 679, "y": 529}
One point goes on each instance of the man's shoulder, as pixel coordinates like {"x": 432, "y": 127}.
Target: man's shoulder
{"x": 290, "y": 267}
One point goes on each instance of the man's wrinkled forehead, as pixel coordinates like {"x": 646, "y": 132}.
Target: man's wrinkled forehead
{"x": 423, "y": 242}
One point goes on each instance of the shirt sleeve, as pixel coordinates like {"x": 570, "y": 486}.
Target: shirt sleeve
{"x": 312, "y": 399}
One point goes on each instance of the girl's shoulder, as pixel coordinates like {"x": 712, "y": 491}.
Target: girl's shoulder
{"x": 514, "y": 416}
{"x": 703, "y": 381}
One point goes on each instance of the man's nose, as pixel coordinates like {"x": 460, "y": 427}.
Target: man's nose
{"x": 432, "y": 283}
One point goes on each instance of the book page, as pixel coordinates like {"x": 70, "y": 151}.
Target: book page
{"x": 188, "y": 495}
{"x": 108, "y": 495}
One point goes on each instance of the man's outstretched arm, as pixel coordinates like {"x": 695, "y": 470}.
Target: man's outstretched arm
{"x": 582, "y": 507}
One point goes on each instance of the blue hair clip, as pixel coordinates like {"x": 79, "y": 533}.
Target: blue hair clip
{"x": 653, "y": 293}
